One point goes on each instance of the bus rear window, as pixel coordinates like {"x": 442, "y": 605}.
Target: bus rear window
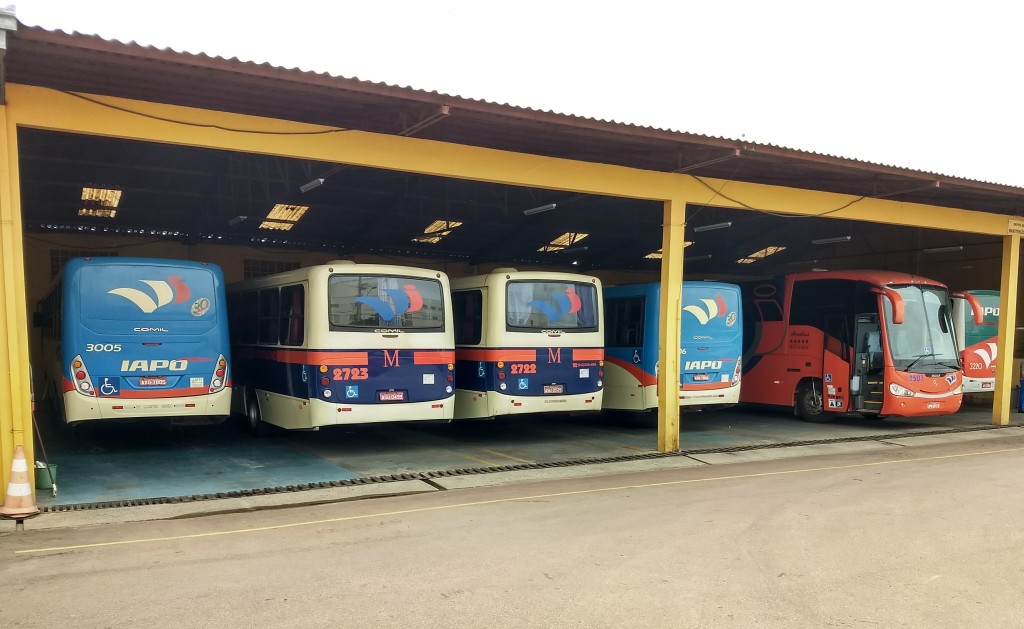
{"x": 551, "y": 305}
{"x": 379, "y": 301}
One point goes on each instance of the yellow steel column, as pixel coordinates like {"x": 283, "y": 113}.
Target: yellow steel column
{"x": 15, "y": 418}
{"x": 668, "y": 322}
{"x": 1007, "y": 322}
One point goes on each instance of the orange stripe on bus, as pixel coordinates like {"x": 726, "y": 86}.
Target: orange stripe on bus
{"x": 588, "y": 354}
{"x": 433, "y": 358}
{"x": 301, "y": 357}
{"x": 494, "y": 355}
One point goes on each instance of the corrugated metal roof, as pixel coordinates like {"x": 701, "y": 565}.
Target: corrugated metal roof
{"x": 75, "y": 62}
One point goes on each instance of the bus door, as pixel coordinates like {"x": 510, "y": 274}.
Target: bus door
{"x": 835, "y": 362}
{"x": 867, "y": 383}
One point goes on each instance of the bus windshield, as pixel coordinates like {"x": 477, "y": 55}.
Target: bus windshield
{"x": 924, "y": 341}
{"x": 393, "y": 302}
{"x": 545, "y": 305}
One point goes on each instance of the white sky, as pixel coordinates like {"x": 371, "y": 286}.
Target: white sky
{"x": 929, "y": 85}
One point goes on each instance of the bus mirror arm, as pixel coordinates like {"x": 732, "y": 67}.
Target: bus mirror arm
{"x": 896, "y": 301}
{"x": 979, "y": 314}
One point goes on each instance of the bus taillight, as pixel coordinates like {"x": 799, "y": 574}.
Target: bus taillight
{"x": 82, "y": 375}
{"x": 217, "y": 381}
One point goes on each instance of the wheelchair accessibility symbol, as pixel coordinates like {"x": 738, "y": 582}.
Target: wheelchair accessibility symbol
{"x": 351, "y": 391}
{"x": 524, "y": 384}
{"x": 109, "y": 388}
{"x": 636, "y": 357}
{"x": 480, "y": 370}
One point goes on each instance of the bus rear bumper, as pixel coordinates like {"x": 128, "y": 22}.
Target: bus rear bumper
{"x": 494, "y": 404}
{"x": 79, "y": 408}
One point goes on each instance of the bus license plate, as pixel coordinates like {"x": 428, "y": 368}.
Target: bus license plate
{"x": 932, "y": 405}
{"x": 391, "y": 396}
{"x": 554, "y": 389}
{"x": 153, "y": 381}
{"x": 701, "y": 377}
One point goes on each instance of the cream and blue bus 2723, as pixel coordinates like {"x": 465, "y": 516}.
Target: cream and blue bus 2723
{"x": 342, "y": 343}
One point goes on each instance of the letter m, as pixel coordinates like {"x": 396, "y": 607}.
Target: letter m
{"x": 554, "y": 355}
{"x": 391, "y": 360}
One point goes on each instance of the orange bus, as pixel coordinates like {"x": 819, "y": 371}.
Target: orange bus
{"x": 824, "y": 343}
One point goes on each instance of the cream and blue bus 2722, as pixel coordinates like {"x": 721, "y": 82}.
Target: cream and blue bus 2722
{"x": 528, "y": 342}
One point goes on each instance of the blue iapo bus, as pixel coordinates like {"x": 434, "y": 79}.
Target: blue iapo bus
{"x": 709, "y": 356}
{"x": 136, "y": 337}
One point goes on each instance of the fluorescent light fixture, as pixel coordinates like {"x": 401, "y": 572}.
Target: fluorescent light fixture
{"x": 574, "y": 250}
{"x": 944, "y": 249}
{"x": 707, "y": 228}
{"x": 539, "y": 209}
{"x": 697, "y": 258}
{"x": 315, "y": 183}
{"x": 829, "y": 241}
{"x": 236, "y": 220}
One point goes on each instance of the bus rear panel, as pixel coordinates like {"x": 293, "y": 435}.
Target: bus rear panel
{"x": 143, "y": 337}
{"x": 528, "y": 342}
{"x": 344, "y": 343}
{"x": 709, "y": 356}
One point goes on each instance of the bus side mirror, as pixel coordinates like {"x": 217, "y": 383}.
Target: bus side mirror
{"x": 979, "y": 314}
{"x": 894, "y": 299}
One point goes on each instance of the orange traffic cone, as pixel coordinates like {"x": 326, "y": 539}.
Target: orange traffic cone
{"x": 19, "y": 502}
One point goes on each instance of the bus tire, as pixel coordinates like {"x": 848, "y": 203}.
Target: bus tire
{"x": 257, "y": 426}
{"x": 810, "y": 402}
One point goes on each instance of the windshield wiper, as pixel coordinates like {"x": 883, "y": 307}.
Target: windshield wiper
{"x": 916, "y": 360}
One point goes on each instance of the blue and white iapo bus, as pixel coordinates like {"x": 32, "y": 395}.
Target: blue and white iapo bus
{"x": 127, "y": 338}
{"x": 709, "y": 356}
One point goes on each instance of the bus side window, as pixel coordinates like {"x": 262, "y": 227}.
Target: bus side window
{"x": 292, "y": 315}
{"x": 468, "y": 316}
{"x": 270, "y": 299}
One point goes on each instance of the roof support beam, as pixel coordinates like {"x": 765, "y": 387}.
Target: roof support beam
{"x": 103, "y": 115}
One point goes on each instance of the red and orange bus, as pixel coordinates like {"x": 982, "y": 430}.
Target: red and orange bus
{"x": 825, "y": 343}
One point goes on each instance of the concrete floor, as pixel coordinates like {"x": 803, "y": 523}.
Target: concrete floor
{"x": 900, "y": 537}
{"x": 144, "y": 460}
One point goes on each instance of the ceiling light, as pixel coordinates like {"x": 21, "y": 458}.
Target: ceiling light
{"x": 236, "y": 220}
{"x": 829, "y": 241}
{"x": 539, "y": 209}
{"x": 315, "y": 183}
{"x": 573, "y": 250}
{"x": 697, "y": 258}
{"x": 707, "y": 228}
{"x": 944, "y": 249}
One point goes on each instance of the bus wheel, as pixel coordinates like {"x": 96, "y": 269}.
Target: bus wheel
{"x": 809, "y": 405}
{"x": 257, "y": 426}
